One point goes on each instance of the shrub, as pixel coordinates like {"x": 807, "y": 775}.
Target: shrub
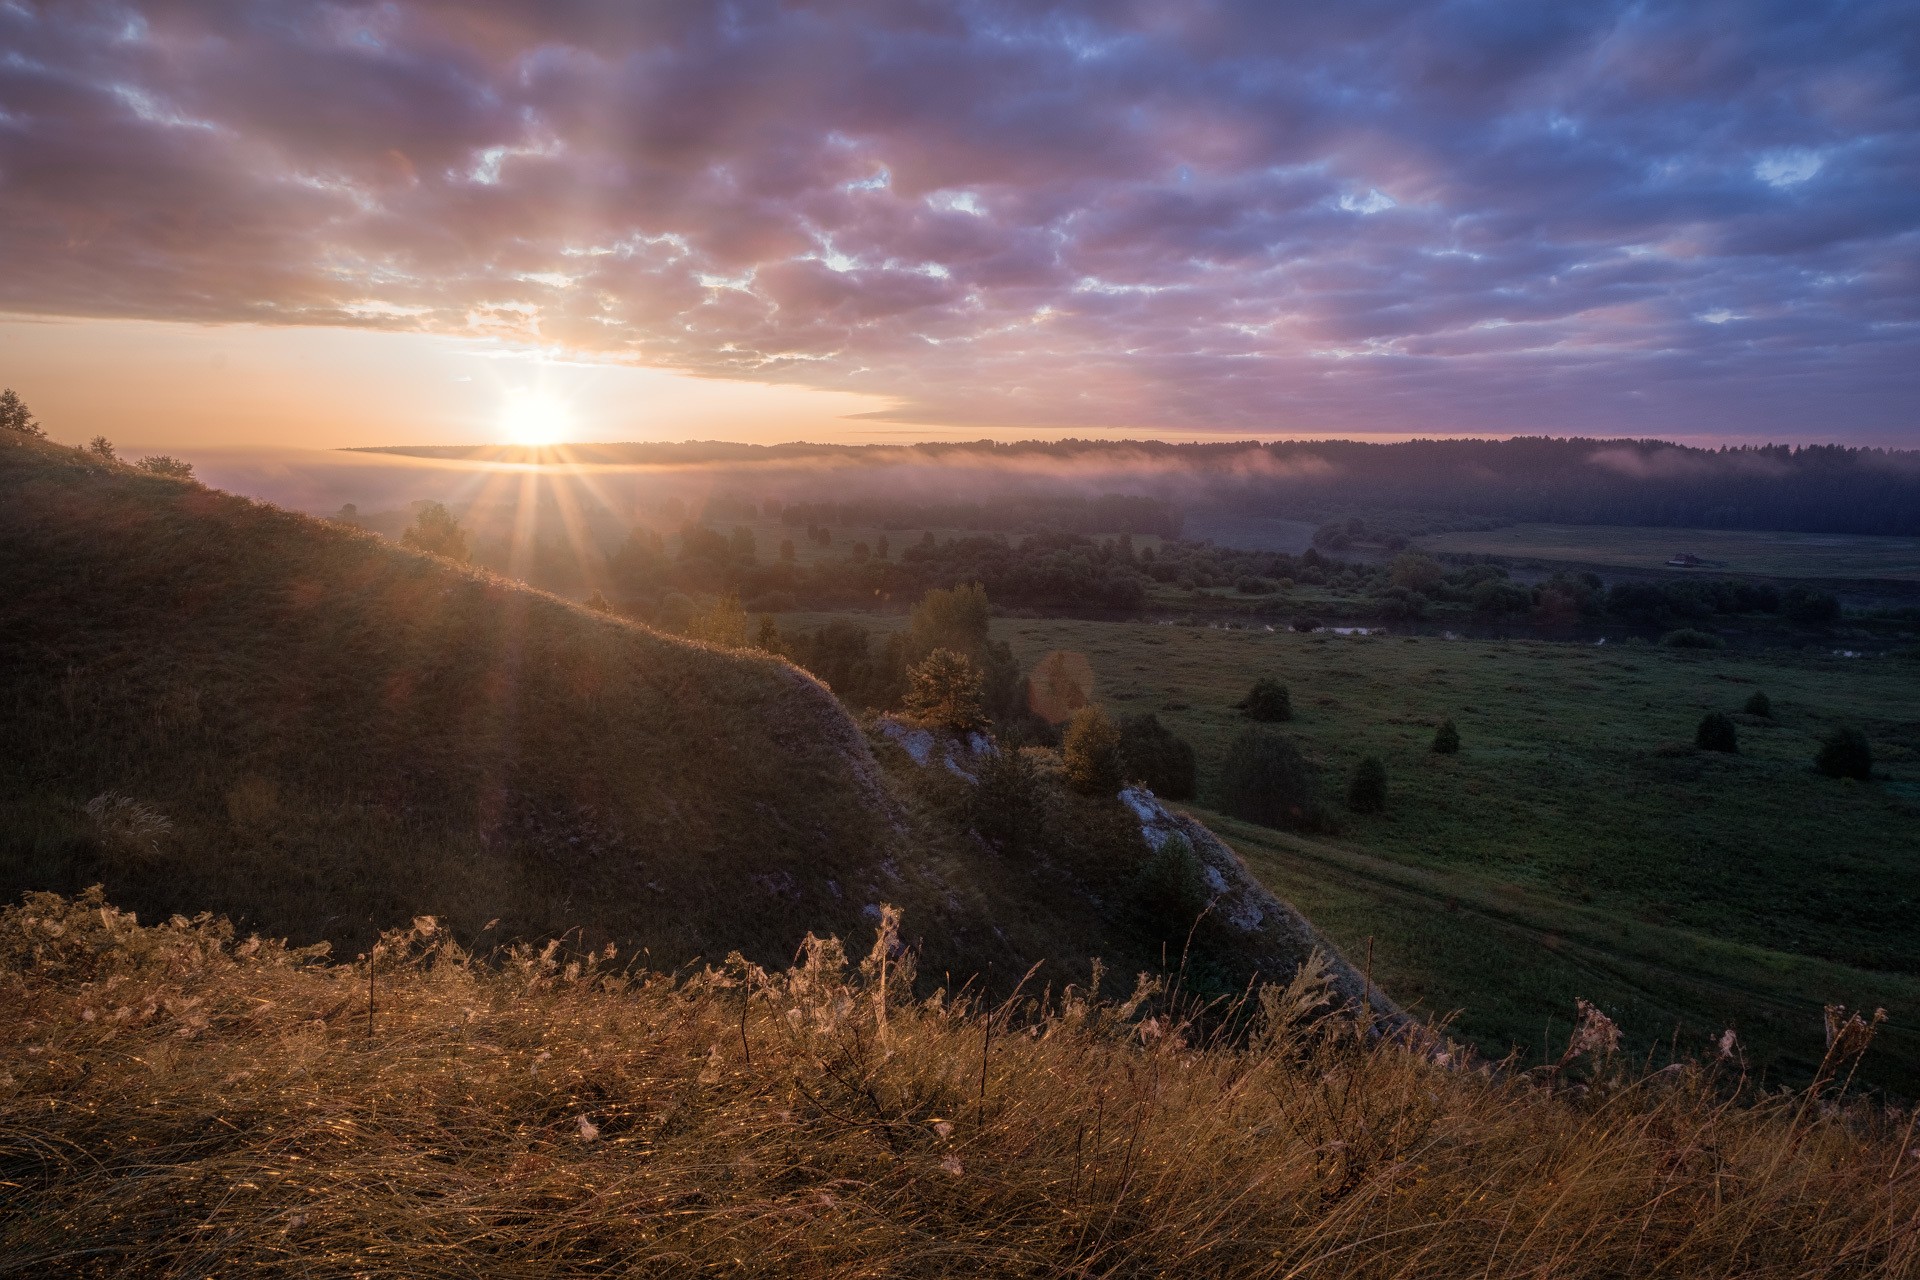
{"x": 1446, "y": 739}
{"x": 943, "y": 690}
{"x": 1416, "y": 572}
{"x": 1090, "y": 753}
{"x": 434, "y": 530}
{"x": 1268, "y": 701}
{"x": 1154, "y": 754}
{"x": 1716, "y": 733}
{"x": 162, "y": 465}
{"x": 1759, "y": 705}
{"x": 1367, "y": 792}
{"x": 723, "y": 622}
{"x": 1688, "y": 638}
{"x": 1010, "y": 804}
{"x": 1172, "y": 885}
{"x": 1266, "y": 780}
{"x": 597, "y": 601}
{"x": 1845, "y": 754}
{"x": 102, "y": 448}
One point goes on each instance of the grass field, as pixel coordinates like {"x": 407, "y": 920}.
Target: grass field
{"x": 1576, "y": 846}
{"x": 1782, "y": 555}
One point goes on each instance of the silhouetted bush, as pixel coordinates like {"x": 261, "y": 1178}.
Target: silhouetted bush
{"x": 1446, "y": 739}
{"x": 1845, "y": 754}
{"x": 1268, "y": 701}
{"x": 1090, "y": 753}
{"x": 1759, "y": 705}
{"x": 1688, "y": 638}
{"x": 1367, "y": 792}
{"x": 1716, "y": 733}
{"x": 1154, "y": 754}
{"x": 1266, "y": 780}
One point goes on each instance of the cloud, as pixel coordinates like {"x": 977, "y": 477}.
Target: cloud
{"x": 1242, "y": 217}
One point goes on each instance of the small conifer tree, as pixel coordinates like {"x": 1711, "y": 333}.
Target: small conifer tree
{"x": 597, "y": 601}
{"x": 1367, "y": 793}
{"x": 1845, "y": 754}
{"x": 1446, "y": 739}
{"x": 1268, "y": 701}
{"x": 102, "y": 448}
{"x": 943, "y": 689}
{"x": 1759, "y": 705}
{"x": 1716, "y": 733}
{"x": 1091, "y": 752}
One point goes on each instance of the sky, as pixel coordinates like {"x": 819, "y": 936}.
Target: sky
{"x": 463, "y": 220}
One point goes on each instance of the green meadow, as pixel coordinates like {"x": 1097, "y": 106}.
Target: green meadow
{"x": 1578, "y": 845}
{"x": 1780, "y": 555}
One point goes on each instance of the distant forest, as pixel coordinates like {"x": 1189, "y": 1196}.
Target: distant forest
{"x": 1813, "y": 489}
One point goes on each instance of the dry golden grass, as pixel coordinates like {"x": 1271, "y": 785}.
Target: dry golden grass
{"x": 177, "y": 1102}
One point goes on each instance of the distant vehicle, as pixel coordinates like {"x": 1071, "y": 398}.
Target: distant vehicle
{"x": 1685, "y": 560}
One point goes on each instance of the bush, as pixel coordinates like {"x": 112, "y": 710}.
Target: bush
{"x": 723, "y": 623}
{"x": 1268, "y": 701}
{"x": 1845, "y": 754}
{"x": 1091, "y": 753}
{"x": 1446, "y": 739}
{"x": 1688, "y": 638}
{"x": 1367, "y": 793}
{"x": 1266, "y": 780}
{"x": 1010, "y": 804}
{"x": 1172, "y": 885}
{"x": 434, "y": 530}
{"x": 174, "y": 468}
{"x": 1251, "y": 586}
{"x": 1716, "y": 733}
{"x": 1759, "y": 705}
{"x": 943, "y": 690}
{"x": 1152, "y": 753}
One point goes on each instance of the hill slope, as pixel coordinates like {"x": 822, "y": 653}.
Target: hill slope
{"x": 207, "y": 704}
{"x": 340, "y": 733}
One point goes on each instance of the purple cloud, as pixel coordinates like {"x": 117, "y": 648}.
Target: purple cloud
{"x": 1245, "y": 218}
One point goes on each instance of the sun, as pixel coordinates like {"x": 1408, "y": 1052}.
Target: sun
{"x": 534, "y": 418}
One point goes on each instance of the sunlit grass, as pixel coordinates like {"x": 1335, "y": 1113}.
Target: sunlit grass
{"x": 175, "y": 1101}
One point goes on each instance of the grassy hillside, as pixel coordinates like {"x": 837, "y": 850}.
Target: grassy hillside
{"x": 337, "y": 732}
{"x": 177, "y": 1102}
{"x": 210, "y": 704}
{"x": 1577, "y": 845}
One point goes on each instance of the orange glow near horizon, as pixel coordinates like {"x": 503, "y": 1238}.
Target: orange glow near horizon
{"x": 165, "y": 385}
